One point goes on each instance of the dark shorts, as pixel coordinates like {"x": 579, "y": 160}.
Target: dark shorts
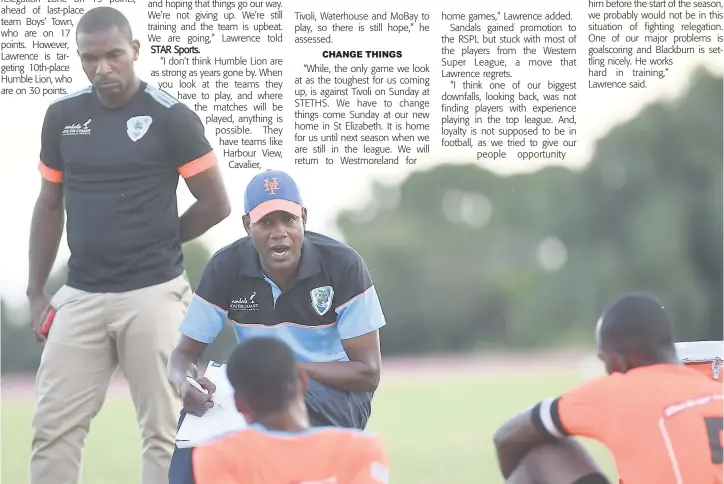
{"x": 327, "y": 406}
{"x": 595, "y": 478}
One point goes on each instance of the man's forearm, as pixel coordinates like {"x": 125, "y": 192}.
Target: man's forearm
{"x": 354, "y": 376}
{"x": 46, "y": 229}
{"x": 181, "y": 364}
{"x": 201, "y": 216}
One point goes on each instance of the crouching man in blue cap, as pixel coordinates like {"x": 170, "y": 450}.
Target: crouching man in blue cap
{"x": 309, "y": 290}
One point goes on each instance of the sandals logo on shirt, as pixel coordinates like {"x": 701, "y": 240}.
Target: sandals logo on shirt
{"x": 137, "y": 126}
{"x": 322, "y": 299}
{"x": 244, "y": 304}
{"x": 76, "y": 129}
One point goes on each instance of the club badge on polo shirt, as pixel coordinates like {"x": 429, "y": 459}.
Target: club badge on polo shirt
{"x": 137, "y": 126}
{"x": 322, "y": 299}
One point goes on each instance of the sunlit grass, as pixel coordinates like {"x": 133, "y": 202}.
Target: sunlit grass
{"x": 436, "y": 430}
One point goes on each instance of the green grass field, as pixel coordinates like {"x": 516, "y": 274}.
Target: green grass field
{"x": 437, "y": 431}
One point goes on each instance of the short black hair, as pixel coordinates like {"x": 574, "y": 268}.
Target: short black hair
{"x": 263, "y": 371}
{"x": 637, "y": 324}
{"x": 100, "y": 19}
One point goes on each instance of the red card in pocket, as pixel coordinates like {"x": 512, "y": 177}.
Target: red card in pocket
{"x": 47, "y": 323}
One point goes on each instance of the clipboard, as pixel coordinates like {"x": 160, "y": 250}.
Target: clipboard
{"x": 221, "y": 419}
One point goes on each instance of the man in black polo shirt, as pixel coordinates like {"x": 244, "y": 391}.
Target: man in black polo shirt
{"x": 112, "y": 154}
{"x": 307, "y": 289}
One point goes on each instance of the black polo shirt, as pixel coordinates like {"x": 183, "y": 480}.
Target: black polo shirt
{"x": 332, "y": 299}
{"x": 120, "y": 170}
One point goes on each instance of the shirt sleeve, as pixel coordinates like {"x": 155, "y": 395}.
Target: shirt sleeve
{"x": 360, "y": 311}
{"x": 190, "y": 151}
{"x": 51, "y": 161}
{"x": 372, "y": 467}
{"x": 210, "y": 467}
{"x": 207, "y": 312}
{"x": 586, "y": 410}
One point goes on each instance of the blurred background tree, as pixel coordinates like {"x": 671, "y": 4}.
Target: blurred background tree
{"x": 464, "y": 259}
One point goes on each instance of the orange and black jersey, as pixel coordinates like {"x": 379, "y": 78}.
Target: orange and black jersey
{"x": 120, "y": 169}
{"x": 662, "y": 423}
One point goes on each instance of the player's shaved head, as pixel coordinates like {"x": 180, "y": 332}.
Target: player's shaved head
{"x": 264, "y": 375}
{"x": 101, "y": 19}
{"x": 635, "y": 330}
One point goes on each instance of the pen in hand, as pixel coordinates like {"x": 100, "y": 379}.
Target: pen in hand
{"x": 197, "y": 386}
{"x": 191, "y": 402}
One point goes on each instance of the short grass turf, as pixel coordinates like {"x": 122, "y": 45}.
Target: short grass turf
{"x": 437, "y": 430}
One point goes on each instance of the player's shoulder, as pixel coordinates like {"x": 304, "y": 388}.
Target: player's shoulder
{"x": 357, "y": 440}
{"x": 334, "y": 253}
{"x": 72, "y": 98}
{"x": 227, "y": 445}
{"x": 355, "y": 434}
{"x": 699, "y": 382}
{"x": 342, "y": 433}
{"x": 367, "y": 449}
{"x": 69, "y": 102}
{"x": 158, "y": 97}
{"x": 601, "y": 386}
{"x": 164, "y": 103}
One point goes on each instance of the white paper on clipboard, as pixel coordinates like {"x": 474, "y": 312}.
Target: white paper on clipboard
{"x": 219, "y": 420}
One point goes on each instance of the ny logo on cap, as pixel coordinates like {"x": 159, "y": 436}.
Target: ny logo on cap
{"x": 271, "y": 186}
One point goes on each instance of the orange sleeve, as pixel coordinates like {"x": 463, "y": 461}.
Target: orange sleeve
{"x": 51, "y": 163}
{"x": 372, "y": 465}
{"x": 50, "y": 174}
{"x": 194, "y": 167}
{"x": 189, "y": 150}
{"x": 211, "y": 467}
{"x": 585, "y": 410}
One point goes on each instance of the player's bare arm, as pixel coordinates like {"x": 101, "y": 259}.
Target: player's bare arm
{"x": 46, "y": 229}
{"x": 524, "y": 448}
{"x": 211, "y": 205}
{"x": 514, "y": 439}
{"x": 361, "y": 373}
{"x": 182, "y": 363}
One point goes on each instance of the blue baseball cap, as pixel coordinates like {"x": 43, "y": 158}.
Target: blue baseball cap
{"x": 271, "y": 191}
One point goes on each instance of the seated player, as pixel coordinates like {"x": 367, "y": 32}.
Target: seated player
{"x": 279, "y": 447}
{"x": 661, "y": 420}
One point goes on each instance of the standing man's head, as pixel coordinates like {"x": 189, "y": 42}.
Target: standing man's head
{"x": 275, "y": 219}
{"x": 107, "y": 52}
{"x": 268, "y": 386}
{"x": 635, "y": 330}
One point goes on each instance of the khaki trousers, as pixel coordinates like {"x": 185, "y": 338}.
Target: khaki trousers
{"x": 92, "y": 335}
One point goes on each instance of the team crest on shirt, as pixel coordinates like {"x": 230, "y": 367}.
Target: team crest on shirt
{"x": 322, "y": 299}
{"x": 137, "y": 126}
